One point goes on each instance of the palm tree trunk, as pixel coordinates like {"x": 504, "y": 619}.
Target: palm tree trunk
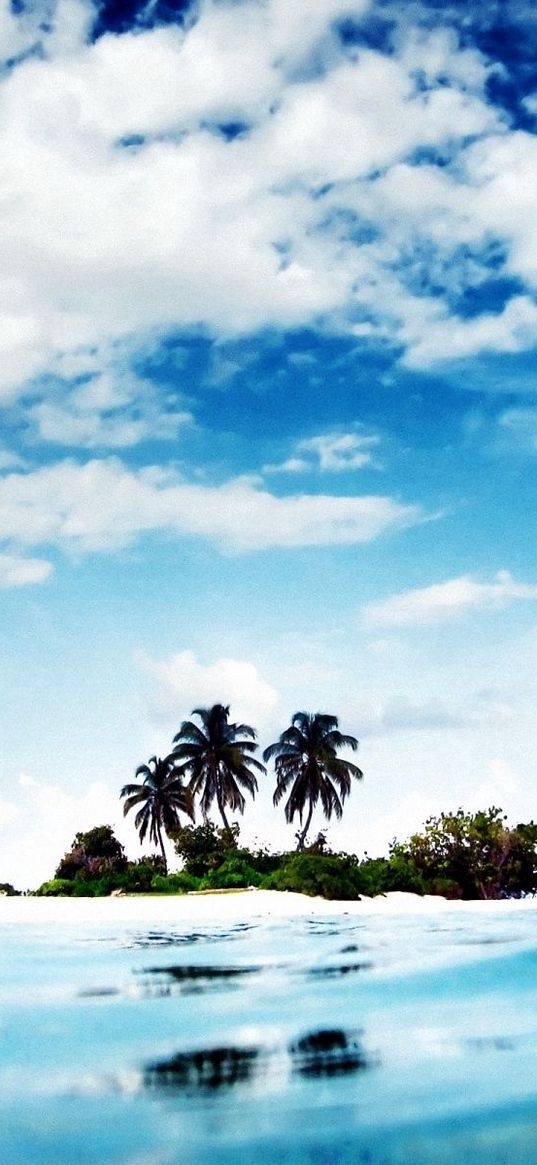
{"x": 163, "y": 851}
{"x": 304, "y": 832}
{"x": 221, "y": 809}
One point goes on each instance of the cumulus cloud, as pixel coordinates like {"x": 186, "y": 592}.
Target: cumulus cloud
{"x": 210, "y": 175}
{"x": 447, "y": 600}
{"x": 184, "y": 683}
{"x": 330, "y": 453}
{"x": 107, "y": 410}
{"x": 510, "y": 330}
{"x": 104, "y": 506}
{"x": 39, "y": 822}
{"x": 16, "y": 571}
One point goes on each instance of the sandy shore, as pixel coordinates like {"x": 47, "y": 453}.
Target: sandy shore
{"x": 244, "y": 904}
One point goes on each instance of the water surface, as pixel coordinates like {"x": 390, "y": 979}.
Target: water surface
{"x": 358, "y": 1038}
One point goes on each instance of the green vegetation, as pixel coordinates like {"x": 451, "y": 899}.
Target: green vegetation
{"x": 458, "y": 855}
{"x": 475, "y": 855}
{"x": 93, "y": 855}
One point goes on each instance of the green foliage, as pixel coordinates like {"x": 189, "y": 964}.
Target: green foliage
{"x": 138, "y": 877}
{"x": 383, "y": 875}
{"x": 55, "y": 888}
{"x": 457, "y": 855}
{"x": 327, "y": 876}
{"x": 93, "y": 854}
{"x": 473, "y": 855}
{"x": 203, "y": 848}
{"x": 235, "y": 872}
{"x": 179, "y": 883}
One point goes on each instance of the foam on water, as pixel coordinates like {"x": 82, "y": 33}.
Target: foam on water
{"x": 360, "y": 1037}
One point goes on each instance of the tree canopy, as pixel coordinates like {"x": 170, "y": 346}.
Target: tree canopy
{"x": 160, "y": 798}
{"x": 309, "y": 770}
{"x": 217, "y": 758}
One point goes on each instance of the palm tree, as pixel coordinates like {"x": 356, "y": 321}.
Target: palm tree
{"x": 161, "y": 797}
{"x": 309, "y": 769}
{"x": 217, "y": 758}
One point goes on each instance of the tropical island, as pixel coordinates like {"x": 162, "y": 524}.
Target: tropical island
{"x": 212, "y": 764}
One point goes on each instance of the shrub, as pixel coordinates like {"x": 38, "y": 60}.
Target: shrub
{"x": 204, "y": 847}
{"x": 473, "y": 855}
{"x": 383, "y": 875}
{"x": 235, "y": 872}
{"x": 9, "y": 891}
{"x": 94, "y": 853}
{"x": 327, "y": 876}
{"x": 55, "y": 888}
{"x": 179, "y": 883}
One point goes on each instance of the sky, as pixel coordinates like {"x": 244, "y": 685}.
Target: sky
{"x": 268, "y": 390}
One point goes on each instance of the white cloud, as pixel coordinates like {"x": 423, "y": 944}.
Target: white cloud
{"x": 111, "y": 410}
{"x": 18, "y": 32}
{"x": 330, "y": 453}
{"x": 184, "y": 228}
{"x": 444, "y": 601}
{"x": 19, "y": 572}
{"x": 104, "y": 506}
{"x": 291, "y": 465}
{"x": 499, "y": 786}
{"x": 10, "y": 460}
{"x": 38, "y": 828}
{"x": 183, "y": 683}
{"x": 510, "y": 330}
{"x": 337, "y": 452}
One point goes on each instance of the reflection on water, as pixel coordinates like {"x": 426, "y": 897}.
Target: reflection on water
{"x": 171, "y": 938}
{"x": 190, "y": 979}
{"x": 326, "y": 1052}
{"x": 330, "y": 972}
{"x": 97, "y": 992}
{"x": 205, "y": 1070}
{"x": 329, "y": 1052}
{"x": 334, "y": 1041}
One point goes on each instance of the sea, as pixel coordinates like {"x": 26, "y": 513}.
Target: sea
{"x": 318, "y": 1039}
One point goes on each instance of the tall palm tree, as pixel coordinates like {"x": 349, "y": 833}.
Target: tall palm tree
{"x": 217, "y": 758}
{"x": 161, "y": 797}
{"x": 309, "y": 769}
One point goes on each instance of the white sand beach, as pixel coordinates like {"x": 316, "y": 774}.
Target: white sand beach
{"x": 234, "y": 905}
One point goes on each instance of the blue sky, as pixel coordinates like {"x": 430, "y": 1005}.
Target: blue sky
{"x": 268, "y": 326}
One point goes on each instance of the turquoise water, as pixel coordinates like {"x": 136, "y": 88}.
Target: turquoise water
{"x": 371, "y": 1040}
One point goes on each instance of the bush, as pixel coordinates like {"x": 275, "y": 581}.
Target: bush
{"x": 55, "y": 888}
{"x": 236, "y": 872}
{"x": 317, "y": 875}
{"x": 473, "y": 855}
{"x": 93, "y": 854}
{"x": 179, "y": 883}
{"x": 204, "y": 847}
{"x": 9, "y": 891}
{"x": 138, "y": 877}
{"x": 384, "y": 875}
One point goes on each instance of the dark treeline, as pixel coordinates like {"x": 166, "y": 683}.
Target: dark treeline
{"x": 457, "y": 855}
